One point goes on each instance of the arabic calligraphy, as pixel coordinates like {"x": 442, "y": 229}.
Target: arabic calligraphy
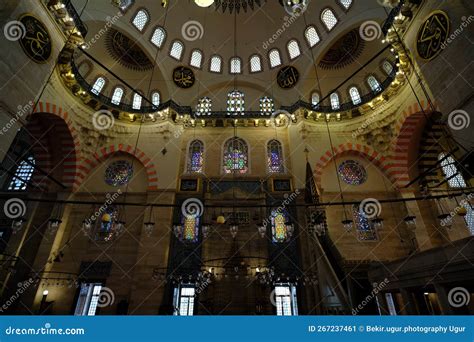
{"x": 432, "y": 34}
{"x": 36, "y": 43}
{"x": 183, "y": 77}
{"x": 287, "y": 77}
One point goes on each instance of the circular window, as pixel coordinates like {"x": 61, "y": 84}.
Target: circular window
{"x": 118, "y": 173}
{"x": 352, "y": 172}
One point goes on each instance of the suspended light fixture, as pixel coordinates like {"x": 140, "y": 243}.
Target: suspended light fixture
{"x": 220, "y": 219}
{"x": 204, "y": 3}
{"x": 347, "y": 224}
{"x": 262, "y": 230}
{"x": 410, "y": 221}
{"x": 55, "y": 220}
{"x": 290, "y": 228}
{"x": 234, "y": 229}
{"x": 149, "y": 226}
{"x": 178, "y": 231}
{"x": 206, "y": 230}
{"x": 378, "y": 223}
{"x": 18, "y": 224}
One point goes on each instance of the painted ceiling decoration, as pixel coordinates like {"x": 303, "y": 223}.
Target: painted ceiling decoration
{"x": 344, "y": 52}
{"x": 237, "y": 5}
{"x": 127, "y": 52}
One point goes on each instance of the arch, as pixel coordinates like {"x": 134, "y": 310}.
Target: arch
{"x": 352, "y": 149}
{"x": 70, "y": 141}
{"x": 405, "y": 148}
{"x": 104, "y": 152}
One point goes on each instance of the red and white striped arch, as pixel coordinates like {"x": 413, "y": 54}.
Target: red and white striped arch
{"x": 90, "y": 163}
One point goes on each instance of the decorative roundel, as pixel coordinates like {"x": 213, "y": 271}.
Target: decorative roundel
{"x": 119, "y": 173}
{"x": 35, "y": 39}
{"x": 432, "y": 35}
{"x": 183, "y": 77}
{"x": 287, "y": 77}
{"x": 352, "y": 172}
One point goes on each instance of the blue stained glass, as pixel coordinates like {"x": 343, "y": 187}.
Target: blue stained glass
{"x": 365, "y": 229}
{"x": 352, "y": 173}
{"x": 119, "y": 173}
{"x": 275, "y": 157}
{"x": 196, "y": 156}
{"x": 191, "y": 228}
{"x": 235, "y": 156}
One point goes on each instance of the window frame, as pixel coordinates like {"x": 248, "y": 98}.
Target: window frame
{"x": 189, "y": 157}
{"x": 292, "y": 296}
{"x": 260, "y": 59}
{"x": 221, "y": 65}
{"x": 270, "y": 59}
{"x": 306, "y": 37}
{"x": 145, "y": 26}
{"x": 335, "y": 16}
{"x": 223, "y": 157}
{"x": 173, "y": 42}
{"x": 282, "y": 158}
{"x": 293, "y": 40}
{"x": 165, "y": 35}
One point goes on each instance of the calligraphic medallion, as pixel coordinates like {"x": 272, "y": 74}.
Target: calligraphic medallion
{"x": 183, "y": 77}
{"x": 35, "y": 41}
{"x": 432, "y": 35}
{"x": 287, "y": 77}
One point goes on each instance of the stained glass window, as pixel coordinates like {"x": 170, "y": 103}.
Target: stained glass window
{"x": 365, "y": 228}
{"x": 196, "y": 59}
{"x": 235, "y": 156}
{"x": 285, "y": 300}
{"x": 451, "y": 173}
{"x": 117, "y": 96}
{"x": 374, "y": 84}
{"x": 255, "y": 63}
{"x": 196, "y": 156}
{"x": 191, "y": 228}
{"x": 119, "y": 173}
{"x": 279, "y": 230}
{"x": 235, "y": 103}
{"x": 352, "y": 173}
{"x": 137, "y": 102}
{"x": 329, "y": 18}
{"x": 98, "y": 85}
{"x": 204, "y": 106}
{"x": 140, "y": 20}
{"x": 387, "y": 67}
{"x": 275, "y": 157}
{"x": 355, "y": 95}
{"x": 266, "y": 106}
{"x": 312, "y": 36}
{"x": 22, "y": 175}
{"x": 469, "y": 218}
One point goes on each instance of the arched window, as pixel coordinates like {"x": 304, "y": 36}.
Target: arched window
{"x": 204, "y": 106}
{"x": 329, "y": 19}
{"x": 275, "y": 157}
{"x": 451, "y": 173}
{"x": 355, "y": 95}
{"x": 374, "y": 84}
{"x": 159, "y": 36}
{"x": 156, "y": 98}
{"x": 196, "y": 59}
{"x": 137, "y": 102}
{"x": 365, "y": 228}
{"x": 195, "y": 156}
{"x": 255, "y": 63}
{"x": 279, "y": 219}
{"x": 275, "y": 58}
{"x": 23, "y": 174}
{"x": 312, "y": 36}
{"x": 235, "y": 65}
{"x": 346, "y": 3}
{"x": 117, "y": 96}
{"x": 140, "y": 20}
{"x": 469, "y": 218}
{"x": 293, "y": 49}
{"x": 235, "y": 102}
{"x": 98, "y": 85}
{"x": 177, "y": 49}
{"x": 216, "y": 64}
{"x": 266, "y": 106}
{"x": 236, "y": 156}
{"x": 335, "y": 105}
{"x": 315, "y": 99}
{"x": 387, "y": 67}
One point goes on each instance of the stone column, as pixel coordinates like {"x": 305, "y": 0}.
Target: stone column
{"x": 409, "y": 306}
{"x": 443, "y": 301}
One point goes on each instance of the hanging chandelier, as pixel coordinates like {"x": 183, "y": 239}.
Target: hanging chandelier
{"x": 204, "y": 3}
{"x": 237, "y": 5}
